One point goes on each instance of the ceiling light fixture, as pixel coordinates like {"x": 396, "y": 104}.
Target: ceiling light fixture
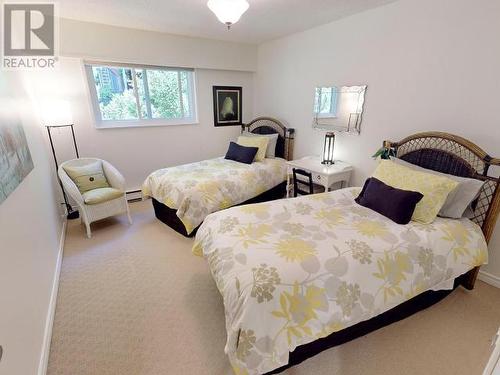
{"x": 228, "y": 11}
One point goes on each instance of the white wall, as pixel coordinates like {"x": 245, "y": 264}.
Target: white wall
{"x": 428, "y": 64}
{"x": 30, "y": 222}
{"x": 136, "y": 152}
{"x": 30, "y": 229}
{"x": 112, "y": 43}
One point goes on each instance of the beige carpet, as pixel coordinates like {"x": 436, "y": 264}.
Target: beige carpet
{"x": 134, "y": 300}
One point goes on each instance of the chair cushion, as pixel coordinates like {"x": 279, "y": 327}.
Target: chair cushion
{"x": 101, "y": 195}
{"x": 87, "y": 177}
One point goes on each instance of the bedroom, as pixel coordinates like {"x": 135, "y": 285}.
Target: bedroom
{"x": 133, "y": 298}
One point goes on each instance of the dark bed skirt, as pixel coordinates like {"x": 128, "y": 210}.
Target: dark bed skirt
{"x": 169, "y": 216}
{"x": 402, "y": 311}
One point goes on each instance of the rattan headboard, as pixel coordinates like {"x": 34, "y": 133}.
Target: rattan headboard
{"x": 448, "y": 153}
{"x": 269, "y": 125}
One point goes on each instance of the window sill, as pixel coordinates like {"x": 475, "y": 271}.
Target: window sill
{"x": 142, "y": 124}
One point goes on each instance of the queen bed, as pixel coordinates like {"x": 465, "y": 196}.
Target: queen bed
{"x": 302, "y": 275}
{"x": 183, "y": 196}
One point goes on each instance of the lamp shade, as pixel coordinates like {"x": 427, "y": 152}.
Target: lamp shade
{"x": 228, "y": 11}
{"x": 328, "y": 148}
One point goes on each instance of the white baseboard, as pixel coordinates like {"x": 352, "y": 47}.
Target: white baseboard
{"x": 44, "y": 358}
{"x": 489, "y": 278}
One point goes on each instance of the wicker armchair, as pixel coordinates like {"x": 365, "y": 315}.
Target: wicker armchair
{"x": 94, "y": 212}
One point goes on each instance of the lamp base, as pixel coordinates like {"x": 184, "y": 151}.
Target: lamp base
{"x": 72, "y": 215}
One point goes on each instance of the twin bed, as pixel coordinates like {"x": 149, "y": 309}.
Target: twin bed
{"x": 183, "y": 196}
{"x": 302, "y": 275}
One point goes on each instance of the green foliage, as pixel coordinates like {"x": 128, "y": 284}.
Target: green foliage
{"x": 164, "y": 94}
{"x": 105, "y": 95}
{"x": 384, "y": 153}
{"x": 120, "y": 107}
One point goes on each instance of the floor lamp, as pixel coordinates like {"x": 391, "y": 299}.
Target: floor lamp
{"x": 72, "y": 214}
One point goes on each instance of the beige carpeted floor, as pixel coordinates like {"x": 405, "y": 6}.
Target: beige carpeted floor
{"x": 134, "y": 300}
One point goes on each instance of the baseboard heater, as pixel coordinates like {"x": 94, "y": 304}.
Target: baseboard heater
{"x": 134, "y": 195}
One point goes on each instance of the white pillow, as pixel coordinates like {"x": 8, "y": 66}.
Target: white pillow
{"x": 458, "y": 203}
{"x": 271, "y": 145}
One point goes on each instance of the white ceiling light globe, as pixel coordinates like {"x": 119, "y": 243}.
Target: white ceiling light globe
{"x": 228, "y": 11}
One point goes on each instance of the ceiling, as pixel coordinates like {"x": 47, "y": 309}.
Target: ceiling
{"x": 264, "y": 20}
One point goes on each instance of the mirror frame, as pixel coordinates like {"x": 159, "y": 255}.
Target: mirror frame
{"x": 353, "y": 125}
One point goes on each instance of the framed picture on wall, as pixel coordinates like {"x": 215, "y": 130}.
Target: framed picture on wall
{"x": 227, "y": 105}
{"x": 15, "y": 156}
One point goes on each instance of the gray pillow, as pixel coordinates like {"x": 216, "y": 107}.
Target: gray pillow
{"x": 271, "y": 145}
{"x": 458, "y": 203}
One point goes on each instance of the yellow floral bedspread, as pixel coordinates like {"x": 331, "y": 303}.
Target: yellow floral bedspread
{"x": 196, "y": 190}
{"x": 292, "y": 271}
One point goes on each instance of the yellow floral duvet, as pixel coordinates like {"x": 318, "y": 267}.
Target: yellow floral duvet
{"x": 198, "y": 189}
{"x": 295, "y": 270}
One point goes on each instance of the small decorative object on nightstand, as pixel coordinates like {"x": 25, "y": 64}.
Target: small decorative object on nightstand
{"x": 385, "y": 152}
{"x": 328, "y": 149}
{"x": 325, "y": 175}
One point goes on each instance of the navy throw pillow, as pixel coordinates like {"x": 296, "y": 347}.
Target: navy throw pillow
{"x": 240, "y": 153}
{"x": 395, "y": 204}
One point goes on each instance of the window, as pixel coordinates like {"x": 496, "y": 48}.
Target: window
{"x": 141, "y": 95}
{"x": 325, "y": 102}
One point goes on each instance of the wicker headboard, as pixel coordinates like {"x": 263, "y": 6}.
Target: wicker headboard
{"x": 448, "y": 153}
{"x": 269, "y": 125}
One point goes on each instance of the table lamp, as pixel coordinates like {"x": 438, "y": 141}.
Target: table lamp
{"x": 328, "y": 149}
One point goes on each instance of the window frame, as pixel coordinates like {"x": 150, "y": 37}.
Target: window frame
{"x": 100, "y": 123}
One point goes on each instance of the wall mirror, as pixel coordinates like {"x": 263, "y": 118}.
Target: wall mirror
{"x": 339, "y": 108}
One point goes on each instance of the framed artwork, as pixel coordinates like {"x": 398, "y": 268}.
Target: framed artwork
{"x": 227, "y": 105}
{"x": 15, "y": 157}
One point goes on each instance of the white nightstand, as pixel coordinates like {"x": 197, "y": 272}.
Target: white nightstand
{"x": 325, "y": 175}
